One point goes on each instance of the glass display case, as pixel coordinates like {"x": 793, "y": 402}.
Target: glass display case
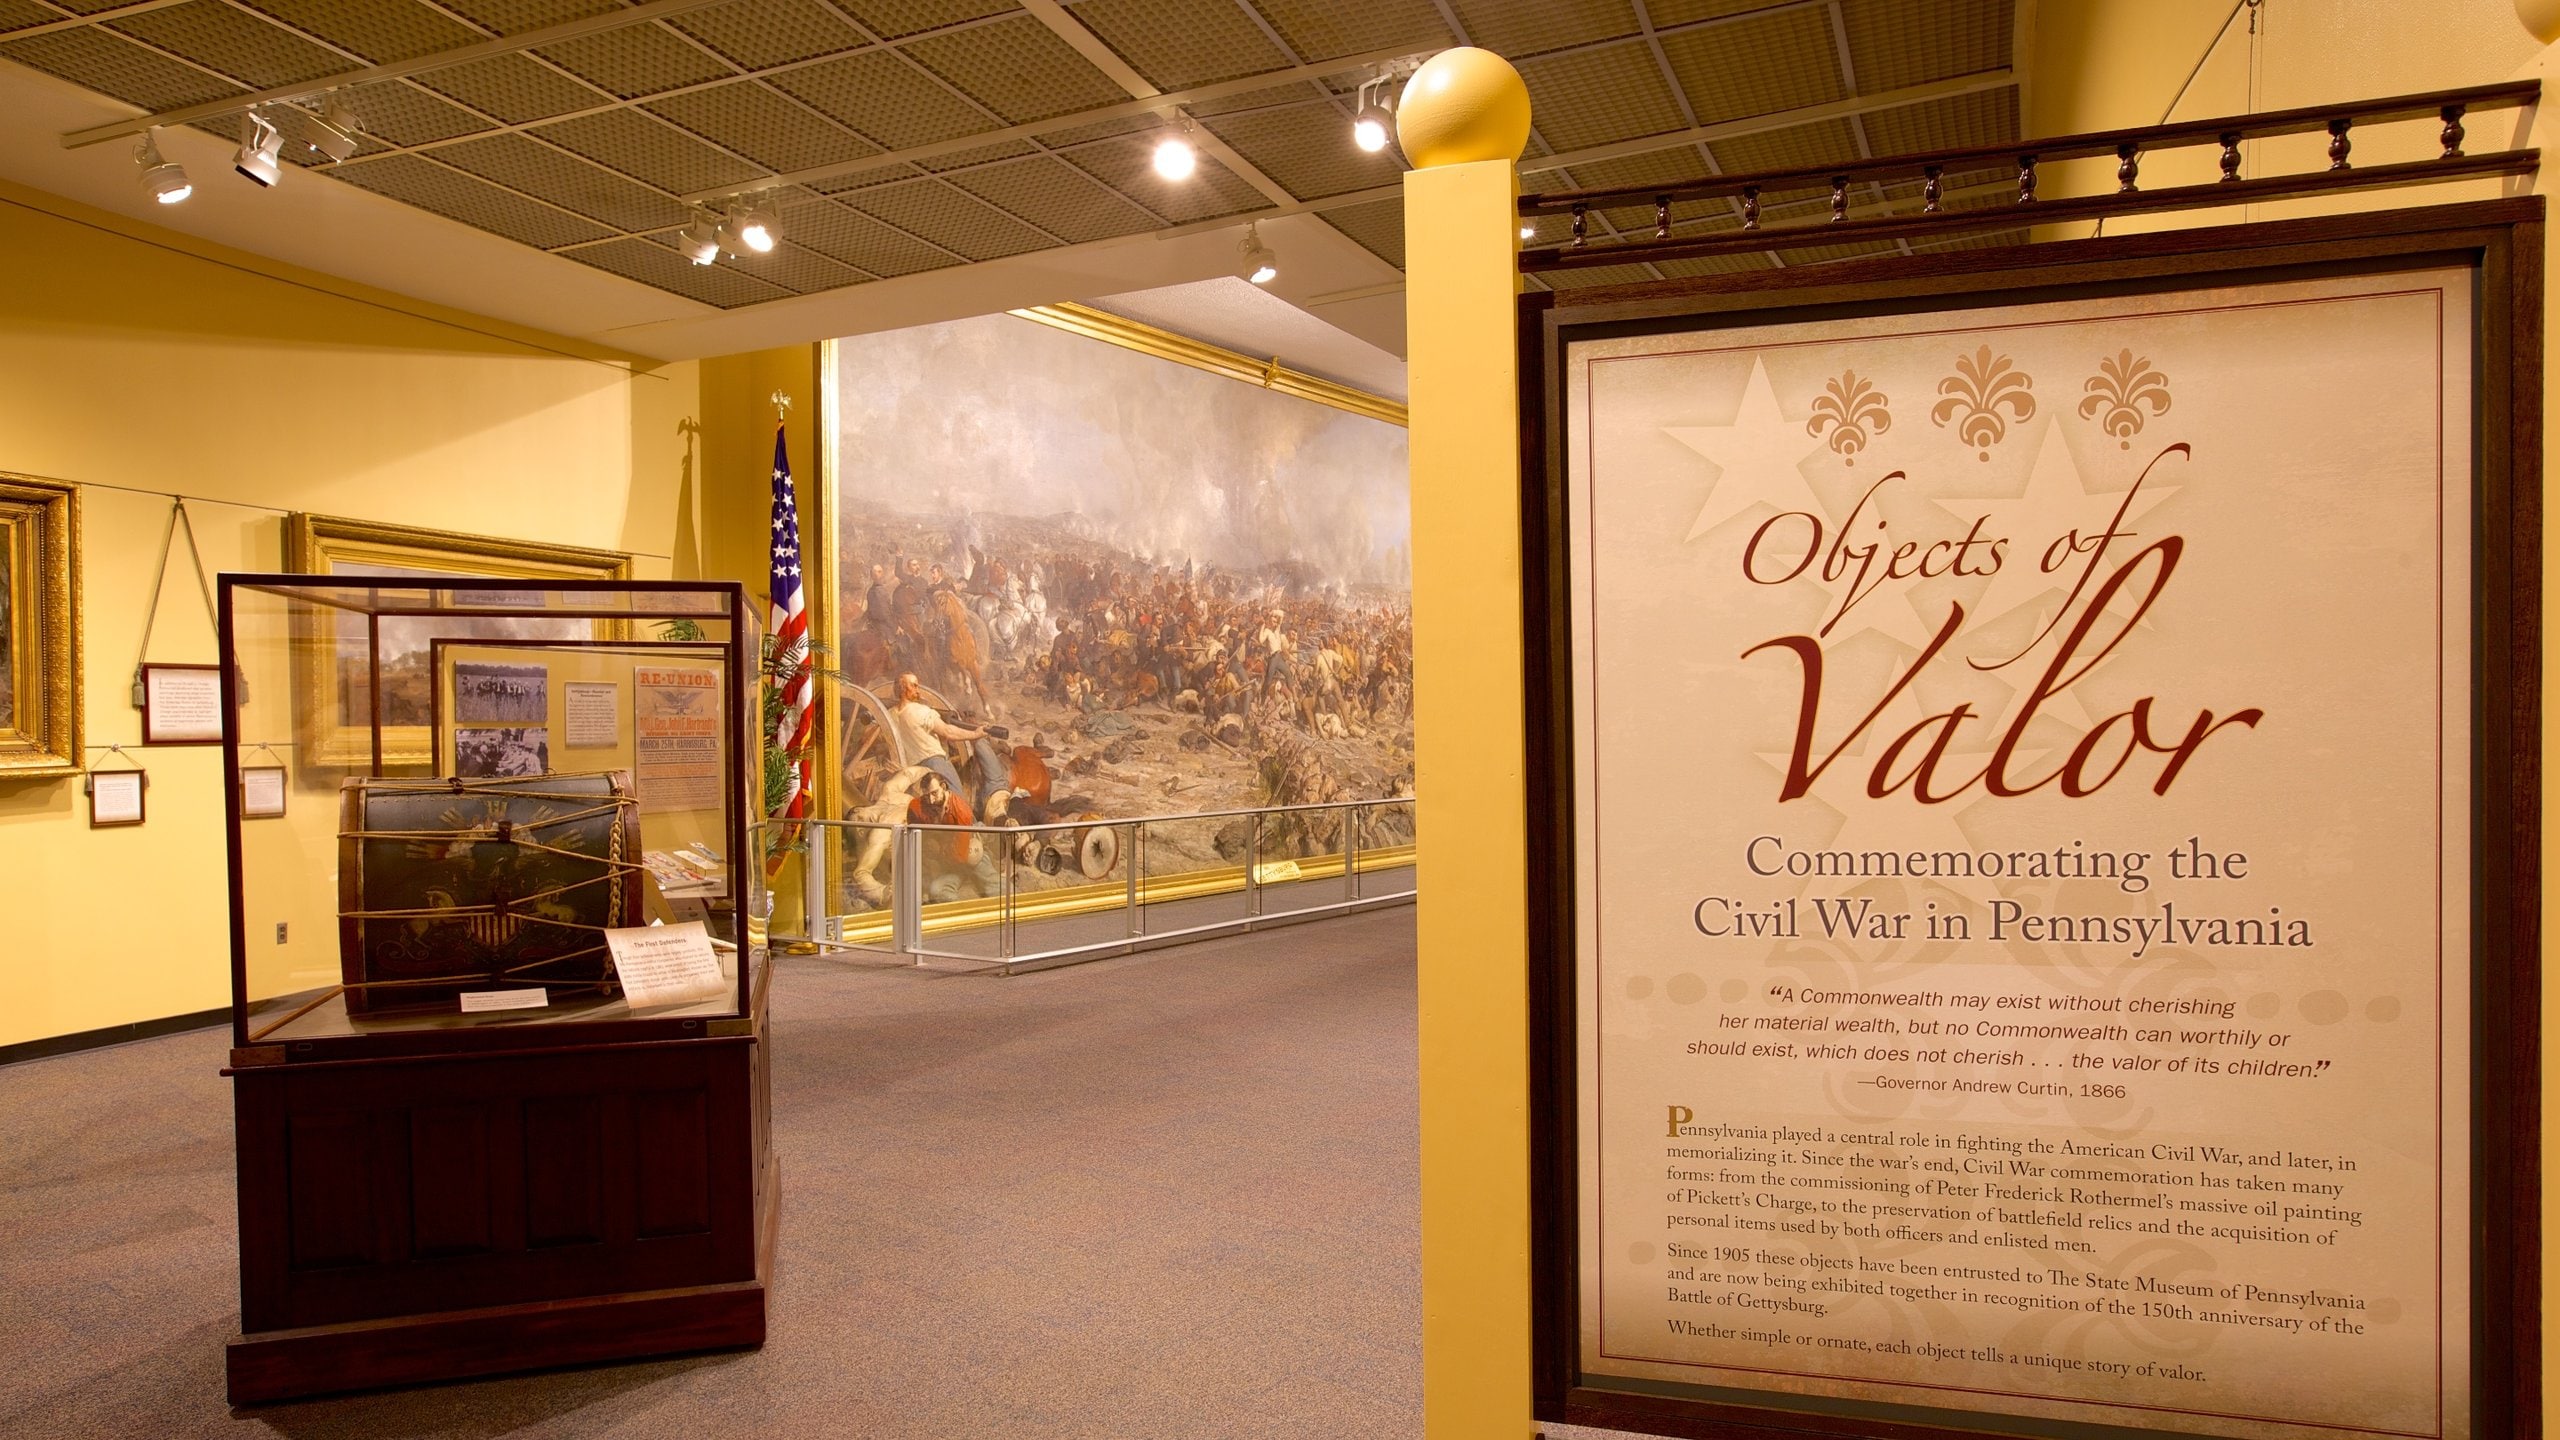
{"x": 498, "y": 972}
{"x": 483, "y": 791}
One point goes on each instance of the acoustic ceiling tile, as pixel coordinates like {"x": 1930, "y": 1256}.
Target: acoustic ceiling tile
{"x": 890, "y": 19}
{"x": 1756, "y": 67}
{"x": 1596, "y": 275}
{"x": 1180, "y": 43}
{"x": 659, "y": 267}
{"x": 1894, "y": 43}
{"x": 1125, "y": 165}
{"x": 885, "y": 99}
{"x": 1826, "y": 142}
{"x": 755, "y": 34}
{"x": 511, "y": 88}
{"x": 649, "y": 150}
{"x": 1377, "y": 227}
{"x": 1277, "y": 95}
{"x": 416, "y": 180}
{"x": 376, "y": 31}
{"x": 1308, "y": 150}
{"x": 406, "y": 115}
{"x": 792, "y": 267}
{"x": 1595, "y": 97}
{"x": 857, "y": 239}
{"x": 748, "y": 119}
{"x": 1057, "y": 197}
{"x": 514, "y": 17}
{"x": 19, "y": 14}
{"x": 1017, "y": 68}
{"x": 258, "y": 53}
{"x": 949, "y": 218}
{"x": 1330, "y": 29}
{"x": 1100, "y": 130}
{"x": 1653, "y": 167}
{"x": 1514, "y": 30}
{"x": 1988, "y": 117}
{"x": 1706, "y": 265}
{"x": 565, "y": 180}
{"x": 868, "y": 179}
{"x": 635, "y": 60}
{"x": 1667, "y": 13}
{"x": 978, "y": 155}
{"x": 117, "y": 67}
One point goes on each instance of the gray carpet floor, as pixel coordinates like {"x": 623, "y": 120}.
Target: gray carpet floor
{"x": 1172, "y": 1194}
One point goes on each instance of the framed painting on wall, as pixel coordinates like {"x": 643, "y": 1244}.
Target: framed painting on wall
{"x": 40, "y": 718}
{"x": 2081, "y": 974}
{"x": 342, "y": 688}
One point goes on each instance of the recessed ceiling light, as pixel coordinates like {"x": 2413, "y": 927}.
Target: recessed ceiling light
{"x": 1528, "y": 232}
{"x": 163, "y": 180}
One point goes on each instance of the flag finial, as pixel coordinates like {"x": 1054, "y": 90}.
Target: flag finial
{"x": 781, "y": 406}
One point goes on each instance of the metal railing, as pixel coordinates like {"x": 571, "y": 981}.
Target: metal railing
{"x": 1009, "y": 896}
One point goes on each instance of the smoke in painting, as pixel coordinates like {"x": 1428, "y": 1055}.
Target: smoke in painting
{"x": 1079, "y": 581}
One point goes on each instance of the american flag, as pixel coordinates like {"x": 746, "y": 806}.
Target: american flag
{"x": 791, "y": 676}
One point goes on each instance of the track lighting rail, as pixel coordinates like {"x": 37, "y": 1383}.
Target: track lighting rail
{"x": 2129, "y": 147}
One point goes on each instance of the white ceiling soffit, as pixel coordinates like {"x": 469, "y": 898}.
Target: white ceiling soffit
{"x": 1229, "y": 312}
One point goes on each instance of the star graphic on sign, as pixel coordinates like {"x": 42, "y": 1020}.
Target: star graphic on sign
{"x": 1756, "y": 458}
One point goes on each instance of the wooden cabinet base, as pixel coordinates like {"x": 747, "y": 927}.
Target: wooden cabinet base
{"x": 415, "y": 1349}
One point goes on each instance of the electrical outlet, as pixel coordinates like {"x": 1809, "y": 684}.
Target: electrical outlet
{"x": 279, "y": 932}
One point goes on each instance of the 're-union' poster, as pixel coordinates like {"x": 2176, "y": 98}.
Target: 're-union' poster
{"x": 2021, "y": 837}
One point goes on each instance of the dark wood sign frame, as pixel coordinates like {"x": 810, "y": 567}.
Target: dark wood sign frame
{"x": 2502, "y": 242}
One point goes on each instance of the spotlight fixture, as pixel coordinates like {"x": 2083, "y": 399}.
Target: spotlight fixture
{"x": 751, "y": 231}
{"x": 163, "y": 180}
{"x": 333, "y": 131}
{"x": 1528, "y": 232}
{"x": 1257, "y": 263}
{"x": 700, "y": 240}
{"x": 1175, "y": 157}
{"x": 261, "y": 145}
{"x": 1375, "y": 121}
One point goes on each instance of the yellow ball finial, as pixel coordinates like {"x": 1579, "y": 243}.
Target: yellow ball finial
{"x": 1463, "y": 105}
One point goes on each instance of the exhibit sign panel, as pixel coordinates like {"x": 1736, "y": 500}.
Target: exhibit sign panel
{"x": 2016, "y": 771}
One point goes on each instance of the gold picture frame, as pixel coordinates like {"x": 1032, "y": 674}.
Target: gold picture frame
{"x": 40, "y": 714}
{"x": 406, "y": 555}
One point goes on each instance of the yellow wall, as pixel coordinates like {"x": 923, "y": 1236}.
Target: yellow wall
{"x": 738, "y": 419}
{"x": 138, "y": 363}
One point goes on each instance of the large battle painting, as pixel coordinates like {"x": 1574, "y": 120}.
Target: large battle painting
{"x": 1083, "y": 582}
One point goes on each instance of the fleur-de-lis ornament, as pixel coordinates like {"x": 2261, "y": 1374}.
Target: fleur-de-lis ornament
{"x": 1853, "y": 411}
{"x": 2118, "y": 393}
{"x": 1982, "y": 387}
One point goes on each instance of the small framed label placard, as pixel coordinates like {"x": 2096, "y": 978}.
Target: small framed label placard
{"x": 262, "y": 792}
{"x": 181, "y": 704}
{"x": 115, "y": 797}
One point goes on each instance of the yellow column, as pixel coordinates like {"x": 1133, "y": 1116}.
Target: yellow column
{"x": 1463, "y": 120}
